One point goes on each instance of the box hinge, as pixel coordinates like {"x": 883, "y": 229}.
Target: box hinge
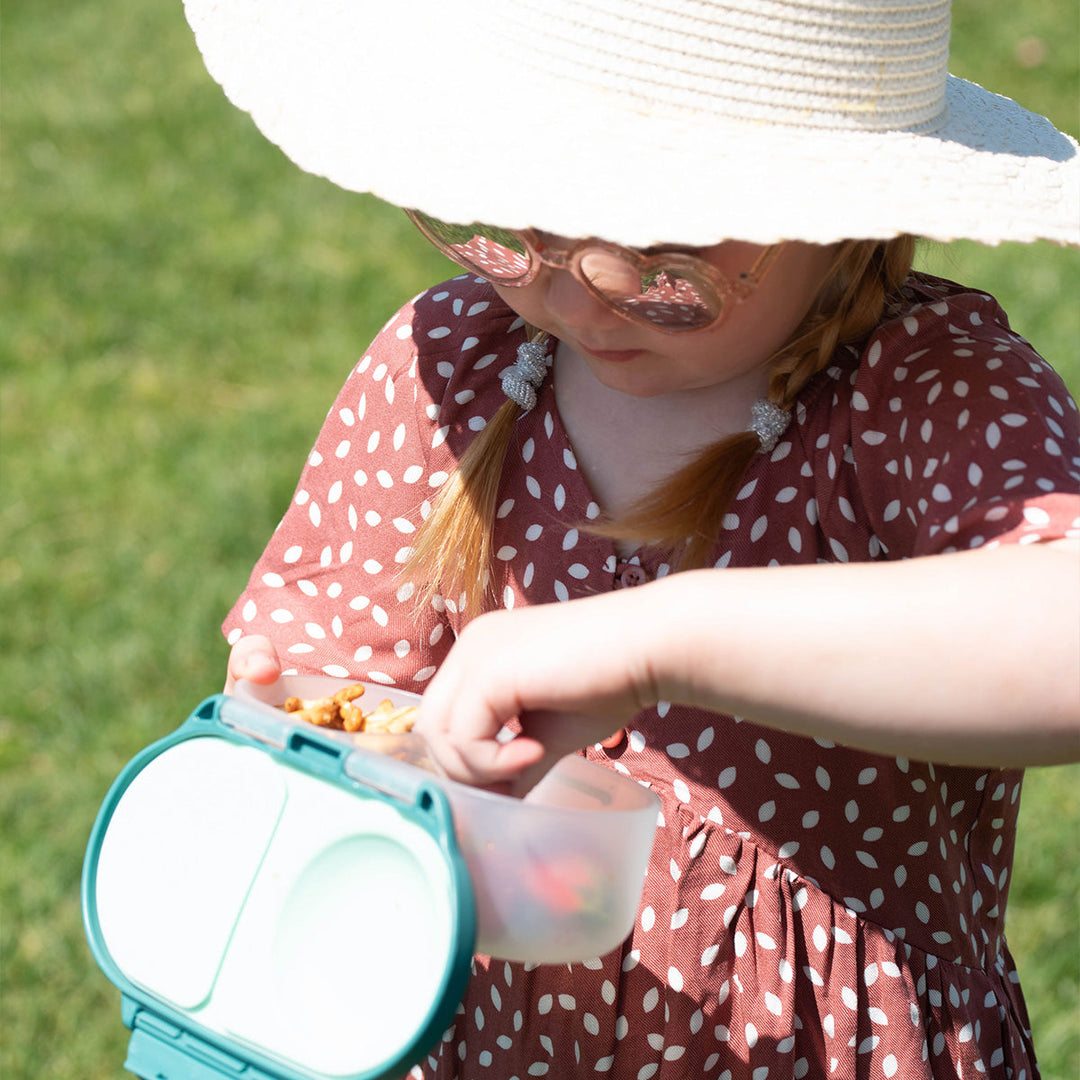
{"x": 159, "y": 1050}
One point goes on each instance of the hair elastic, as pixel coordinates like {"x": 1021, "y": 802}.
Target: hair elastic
{"x": 768, "y": 422}
{"x": 521, "y": 381}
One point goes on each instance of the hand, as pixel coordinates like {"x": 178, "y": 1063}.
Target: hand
{"x": 253, "y": 658}
{"x": 571, "y": 673}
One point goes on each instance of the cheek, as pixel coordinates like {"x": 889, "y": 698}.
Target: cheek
{"x": 772, "y": 313}
{"x": 526, "y": 301}
{"x": 752, "y": 333}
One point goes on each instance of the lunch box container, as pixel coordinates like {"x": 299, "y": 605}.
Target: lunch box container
{"x": 279, "y": 901}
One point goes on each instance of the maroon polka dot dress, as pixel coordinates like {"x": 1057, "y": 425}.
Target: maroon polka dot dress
{"x": 809, "y": 910}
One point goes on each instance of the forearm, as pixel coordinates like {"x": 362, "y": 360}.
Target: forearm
{"x": 971, "y": 658}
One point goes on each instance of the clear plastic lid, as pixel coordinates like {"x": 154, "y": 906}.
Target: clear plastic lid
{"x": 557, "y": 875}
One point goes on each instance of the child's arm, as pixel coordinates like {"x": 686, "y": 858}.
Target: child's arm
{"x": 327, "y": 595}
{"x": 970, "y": 658}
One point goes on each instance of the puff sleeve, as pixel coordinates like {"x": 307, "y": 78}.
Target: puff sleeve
{"x": 962, "y": 435}
{"x": 328, "y": 589}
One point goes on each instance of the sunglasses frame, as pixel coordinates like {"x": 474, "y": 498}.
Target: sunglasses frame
{"x": 710, "y": 282}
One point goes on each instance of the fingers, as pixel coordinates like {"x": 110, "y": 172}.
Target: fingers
{"x": 253, "y": 658}
{"x": 463, "y": 729}
{"x": 463, "y": 719}
{"x": 533, "y": 667}
{"x": 463, "y": 739}
{"x": 485, "y": 763}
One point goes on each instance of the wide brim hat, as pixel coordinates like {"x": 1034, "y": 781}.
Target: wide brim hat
{"x": 671, "y": 121}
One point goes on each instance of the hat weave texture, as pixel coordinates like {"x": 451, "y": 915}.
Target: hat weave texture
{"x": 675, "y": 121}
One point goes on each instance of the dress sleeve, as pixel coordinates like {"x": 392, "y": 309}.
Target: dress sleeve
{"x": 963, "y": 436}
{"x": 328, "y": 589}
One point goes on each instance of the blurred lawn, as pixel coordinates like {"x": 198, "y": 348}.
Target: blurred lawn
{"x": 179, "y": 305}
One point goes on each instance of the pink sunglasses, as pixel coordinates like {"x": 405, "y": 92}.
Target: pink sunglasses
{"x": 667, "y": 290}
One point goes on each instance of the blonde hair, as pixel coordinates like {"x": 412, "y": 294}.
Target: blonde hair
{"x": 452, "y": 554}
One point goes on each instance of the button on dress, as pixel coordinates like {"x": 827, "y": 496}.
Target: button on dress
{"x": 809, "y": 910}
{"x": 629, "y": 575}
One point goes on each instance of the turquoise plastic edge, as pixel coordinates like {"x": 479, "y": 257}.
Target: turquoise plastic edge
{"x": 431, "y": 811}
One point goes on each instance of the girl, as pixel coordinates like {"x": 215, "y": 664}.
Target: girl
{"x": 746, "y": 510}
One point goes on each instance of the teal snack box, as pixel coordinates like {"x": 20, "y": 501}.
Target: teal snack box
{"x": 275, "y": 905}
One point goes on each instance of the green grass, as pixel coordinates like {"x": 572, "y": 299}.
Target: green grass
{"x": 178, "y": 306}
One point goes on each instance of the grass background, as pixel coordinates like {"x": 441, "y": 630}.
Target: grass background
{"x": 178, "y": 306}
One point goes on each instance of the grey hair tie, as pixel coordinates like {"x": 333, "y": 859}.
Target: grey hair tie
{"x": 521, "y": 381}
{"x": 768, "y": 422}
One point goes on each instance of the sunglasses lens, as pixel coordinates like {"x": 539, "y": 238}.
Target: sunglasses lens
{"x": 667, "y": 297}
{"x": 492, "y": 252}
{"x": 671, "y": 292}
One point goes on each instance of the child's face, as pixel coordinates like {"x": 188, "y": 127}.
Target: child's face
{"x": 642, "y": 362}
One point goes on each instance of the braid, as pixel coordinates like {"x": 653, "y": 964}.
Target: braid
{"x": 864, "y": 276}
{"x": 687, "y": 511}
{"x": 452, "y": 555}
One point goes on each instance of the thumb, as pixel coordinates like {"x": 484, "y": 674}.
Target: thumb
{"x": 253, "y": 658}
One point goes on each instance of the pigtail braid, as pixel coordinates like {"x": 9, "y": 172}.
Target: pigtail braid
{"x": 452, "y": 555}
{"x": 865, "y": 276}
{"x": 688, "y": 510}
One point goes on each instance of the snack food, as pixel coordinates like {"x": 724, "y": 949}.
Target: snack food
{"x": 342, "y": 713}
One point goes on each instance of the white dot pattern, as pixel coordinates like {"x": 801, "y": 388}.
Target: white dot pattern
{"x": 809, "y": 910}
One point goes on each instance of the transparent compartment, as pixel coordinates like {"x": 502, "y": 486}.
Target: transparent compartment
{"x": 557, "y": 875}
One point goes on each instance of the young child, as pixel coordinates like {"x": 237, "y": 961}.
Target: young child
{"x": 745, "y": 510}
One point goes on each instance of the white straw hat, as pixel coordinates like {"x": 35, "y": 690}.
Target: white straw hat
{"x": 678, "y": 121}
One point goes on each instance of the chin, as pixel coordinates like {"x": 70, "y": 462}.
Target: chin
{"x": 642, "y": 387}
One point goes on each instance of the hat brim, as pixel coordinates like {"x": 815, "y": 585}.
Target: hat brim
{"x": 374, "y": 97}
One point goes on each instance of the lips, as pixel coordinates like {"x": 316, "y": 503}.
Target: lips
{"x": 613, "y": 356}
